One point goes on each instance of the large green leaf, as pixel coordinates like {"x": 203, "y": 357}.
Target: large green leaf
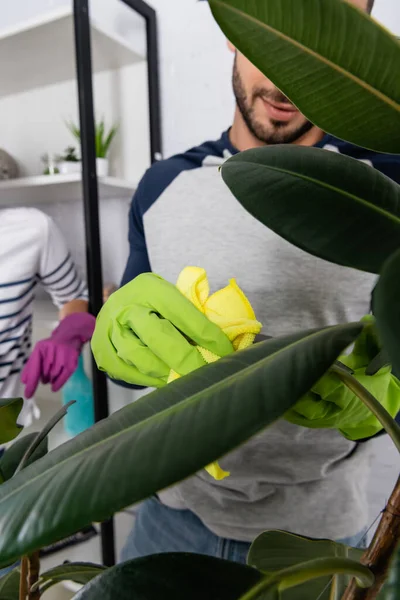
{"x": 340, "y": 68}
{"x": 330, "y": 205}
{"x": 9, "y": 412}
{"x": 273, "y": 551}
{"x": 172, "y": 577}
{"x": 9, "y": 585}
{"x": 13, "y": 455}
{"x": 162, "y": 438}
{"x": 386, "y": 303}
{"x": 78, "y": 572}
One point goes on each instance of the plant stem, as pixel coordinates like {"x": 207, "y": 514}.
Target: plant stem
{"x": 381, "y": 551}
{"x": 389, "y": 424}
{"x": 23, "y": 581}
{"x": 298, "y": 574}
{"x": 383, "y": 546}
{"x": 33, "y": 576}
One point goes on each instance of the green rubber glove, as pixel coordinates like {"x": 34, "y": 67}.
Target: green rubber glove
{"x": 330, "y": 404}
{"x": 147, "y": 328}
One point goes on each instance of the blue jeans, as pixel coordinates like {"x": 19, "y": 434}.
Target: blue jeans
{"x": 160, "y": 529}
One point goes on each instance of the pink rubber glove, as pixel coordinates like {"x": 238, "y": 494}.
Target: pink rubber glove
{"x": 55, "y": 359}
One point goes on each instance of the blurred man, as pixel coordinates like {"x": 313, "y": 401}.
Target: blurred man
{"x": 311, "y": 482}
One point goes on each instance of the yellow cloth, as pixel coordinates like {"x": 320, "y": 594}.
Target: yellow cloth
{"x": 230, "y": 310}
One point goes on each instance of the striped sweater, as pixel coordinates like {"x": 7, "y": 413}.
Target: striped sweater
{"x": 32, "y": 252}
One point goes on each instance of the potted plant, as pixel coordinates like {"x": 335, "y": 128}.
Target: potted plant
{"x": 165, "y": 437}
{"x": 103, "y": 139}
{"x": 49, "y": 165}
{"x": 69, "y": 162}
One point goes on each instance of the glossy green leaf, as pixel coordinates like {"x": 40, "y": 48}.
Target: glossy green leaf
{"x": 332, "y": 206}
{"x": 386, "y": 302}
{"x": 305, "y": 572}
{"x": 273, "y": 551}
{"x": 172, "y": 577}
{"x": 162, "y": 438}
{"x": 340, "y": 68}
{"x": 271, "y": 594}
{"x": 9, "y": 412}
{"x": 42, "y": 436}
{"x": 9, "y": 585}
{"x": 78, "y": 572}
{"x": 262, "y": 591}
{"x": 14, "y": 454}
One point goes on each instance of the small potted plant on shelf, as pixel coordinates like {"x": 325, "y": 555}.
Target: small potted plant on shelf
{"x": 103, "y": 141}
{"x": 69, "y": 162}
{"x": 50, "y": 166}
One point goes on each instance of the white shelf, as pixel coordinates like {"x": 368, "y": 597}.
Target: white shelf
{"x": 41, "y": 51}
{"x": 59, "y": 188}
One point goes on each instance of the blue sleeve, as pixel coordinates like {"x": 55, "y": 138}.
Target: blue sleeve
{"x": 138, "y": 260}
{"x": 154, "y": 182}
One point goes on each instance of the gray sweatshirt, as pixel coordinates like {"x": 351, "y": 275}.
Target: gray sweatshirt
{"x": 311, "y": 482}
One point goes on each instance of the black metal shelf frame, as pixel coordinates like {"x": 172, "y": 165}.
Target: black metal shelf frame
{"x": 89, "y": 182}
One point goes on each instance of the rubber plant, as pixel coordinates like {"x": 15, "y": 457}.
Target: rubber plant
{"x": 119, "y": 461}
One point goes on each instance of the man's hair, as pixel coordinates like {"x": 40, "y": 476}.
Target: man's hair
{"x": 370, "y": 5}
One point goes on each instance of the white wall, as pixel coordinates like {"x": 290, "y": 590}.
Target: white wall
{"x": 196, "y": 70}
{"x": 388, "y": 13}
{"x": 195, "y": 64}
{"x": 32, "y": 123}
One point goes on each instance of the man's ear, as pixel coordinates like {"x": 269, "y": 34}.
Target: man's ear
{"x": 231, "y": 46}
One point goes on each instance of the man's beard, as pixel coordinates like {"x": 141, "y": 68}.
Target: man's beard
{"x": 276, "y": 132}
